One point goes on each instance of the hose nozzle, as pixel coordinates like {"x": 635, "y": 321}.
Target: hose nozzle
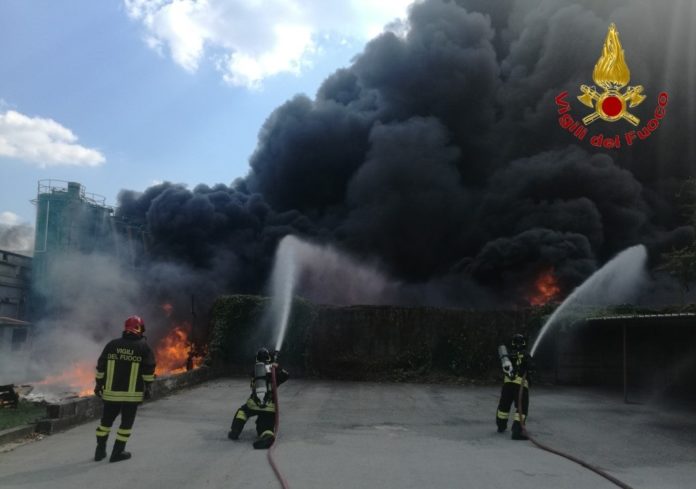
{"x": 505, "y": 360}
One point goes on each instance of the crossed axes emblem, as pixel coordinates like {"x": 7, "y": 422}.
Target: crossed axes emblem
{"x": 611, "y": 105}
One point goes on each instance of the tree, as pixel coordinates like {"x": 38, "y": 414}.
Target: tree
{"x": 681, "y": 263}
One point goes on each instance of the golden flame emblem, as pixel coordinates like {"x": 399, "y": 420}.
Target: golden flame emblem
{"x": 611, "y": 73}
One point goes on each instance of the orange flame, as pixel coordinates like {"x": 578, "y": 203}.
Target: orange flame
{"x": 78, "y": 378}
{"x": 546, "y": 287}
{"x": 171, "y": 354}
{"x": 173, "y": 350}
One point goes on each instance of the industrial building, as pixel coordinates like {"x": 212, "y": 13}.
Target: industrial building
{"x": 70, "y": 220}
{"x": 645, "y": 354}
{"x": 15, "y": 275}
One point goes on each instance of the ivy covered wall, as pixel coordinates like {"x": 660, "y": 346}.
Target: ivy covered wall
{"x": 370, "y": 342}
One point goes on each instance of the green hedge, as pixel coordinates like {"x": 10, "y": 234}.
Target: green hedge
{"x": 240, "y": 325}
{"x": 385, "y": 342}
{"x": 370, "y": 342}
{"x": 399, "y": 343}
{"x": 235, "y": 321}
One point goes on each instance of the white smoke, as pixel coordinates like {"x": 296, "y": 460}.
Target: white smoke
{"x": 88, "y": 297}
{"x": 15, "y": 236}
{"x": 323, "y": 275}
{"x": 91, "y": 296}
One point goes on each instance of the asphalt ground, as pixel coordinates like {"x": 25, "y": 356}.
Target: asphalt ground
{"x": 347, "y": 435}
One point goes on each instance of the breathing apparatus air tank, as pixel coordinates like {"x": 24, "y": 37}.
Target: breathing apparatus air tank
{"x": 505, "y": 360}
{"x": 261, "y": 382}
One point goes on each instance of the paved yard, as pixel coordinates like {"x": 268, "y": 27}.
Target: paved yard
{"x": 349, "y": 435}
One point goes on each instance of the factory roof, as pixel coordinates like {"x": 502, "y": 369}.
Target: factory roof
{"x": 646, "y": 316}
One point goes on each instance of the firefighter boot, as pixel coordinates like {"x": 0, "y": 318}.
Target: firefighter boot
{"x": 265, "y": 440}
{"x": 235, "y": 429}
{"x": 502, "y": 424}
{"x": 517, "y": 433}
{"x": 100, "y": 452}
{"x": 118, "y": 454}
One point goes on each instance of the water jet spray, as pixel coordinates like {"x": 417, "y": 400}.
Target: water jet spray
{"x": 323, "y": 275}
{"x": 616, "y": 282}
{"x": 283, "y": 281}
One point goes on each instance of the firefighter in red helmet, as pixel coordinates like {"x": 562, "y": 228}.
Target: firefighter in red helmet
{"x": 125, "y": 370}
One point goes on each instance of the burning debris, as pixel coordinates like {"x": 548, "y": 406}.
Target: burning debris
{"x": 172, "y": 352}
{"x": 176, "y": 352}
{"x": 78, "y": 379}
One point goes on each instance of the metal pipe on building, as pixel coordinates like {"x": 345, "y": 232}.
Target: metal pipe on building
{"x": 625, "y": 365}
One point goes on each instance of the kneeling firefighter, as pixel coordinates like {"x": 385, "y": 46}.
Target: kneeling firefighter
{"x": 517, "y": 365}
{"x": 260, "y": 403}
{"x": 125, "y": 370}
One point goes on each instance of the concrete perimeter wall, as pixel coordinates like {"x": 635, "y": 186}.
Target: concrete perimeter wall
{"x": 70, "y": 412}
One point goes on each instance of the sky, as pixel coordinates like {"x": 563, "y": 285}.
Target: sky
{"x": 435, "y": 152}
{"x": 125, "y": 94}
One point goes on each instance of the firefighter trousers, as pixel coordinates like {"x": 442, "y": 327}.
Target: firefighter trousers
{"x": 508, "y": 396}
{"x": 127, "y": 410}
{"x": 265, "y": 420}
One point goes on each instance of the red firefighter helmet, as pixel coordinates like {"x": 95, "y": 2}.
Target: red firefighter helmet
{"x": 134, "y": 325}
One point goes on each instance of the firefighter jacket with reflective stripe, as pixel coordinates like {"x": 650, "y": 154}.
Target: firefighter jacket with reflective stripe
{"x": 522, "y": 364}
{"x": 255, "y": 402}
{"x": 124, "y": 367}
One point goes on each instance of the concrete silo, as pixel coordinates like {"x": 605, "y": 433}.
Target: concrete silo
{"x": 68, "y": 220}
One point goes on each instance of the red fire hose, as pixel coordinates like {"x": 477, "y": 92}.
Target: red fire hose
{"x": 276, "y": 470}
{"x": 587, "y": 465}
{"x": 597, "y": 470}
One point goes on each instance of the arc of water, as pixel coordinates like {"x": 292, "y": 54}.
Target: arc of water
{"x": 283, "y": 283}
{"x": 616, "y": 282}
{"x": 326, "y": 275}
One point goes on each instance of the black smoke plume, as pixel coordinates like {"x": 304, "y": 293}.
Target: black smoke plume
{"x": 438, "y": 153}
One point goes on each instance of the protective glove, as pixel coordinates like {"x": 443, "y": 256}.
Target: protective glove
{"x": 98, "y": 389}
{"x": 147, "y": 393}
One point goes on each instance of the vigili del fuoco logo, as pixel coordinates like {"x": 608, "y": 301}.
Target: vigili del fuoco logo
{"x": 610, "y": 101}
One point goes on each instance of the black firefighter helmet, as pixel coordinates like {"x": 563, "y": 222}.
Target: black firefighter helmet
{"x": 518, "y": 342}
{"x": 263, "y": 355}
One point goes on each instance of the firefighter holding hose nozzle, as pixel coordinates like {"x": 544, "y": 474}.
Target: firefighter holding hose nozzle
{"x": 260, "y": 402}
{"x": 517, "y": 365}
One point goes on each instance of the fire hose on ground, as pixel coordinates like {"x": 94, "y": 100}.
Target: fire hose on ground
{"x": 276, "y": 470}
{"x": 284, "y": 483}
{"x": 587, "y": 465}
